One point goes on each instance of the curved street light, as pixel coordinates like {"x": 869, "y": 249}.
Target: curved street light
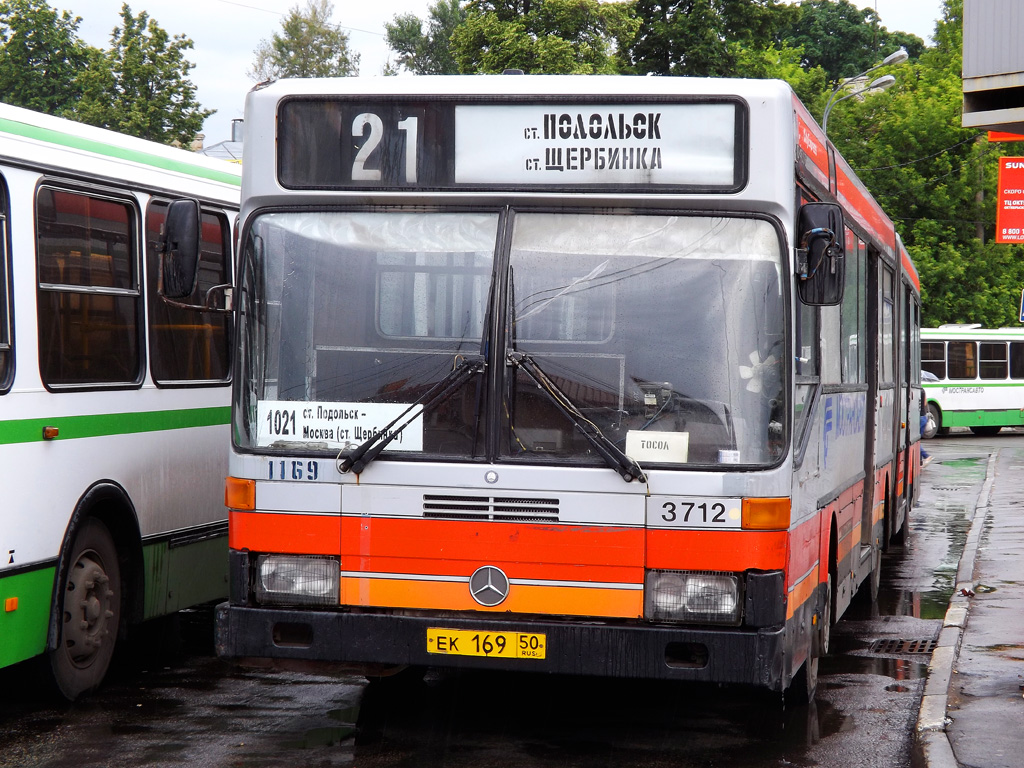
{"x": 885, "y": 81}
{"x": 896, "y": 57}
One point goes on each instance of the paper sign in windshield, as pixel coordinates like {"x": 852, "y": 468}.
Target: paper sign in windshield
{"x": 338, "y": 426}
{"x": 669, "y": 447}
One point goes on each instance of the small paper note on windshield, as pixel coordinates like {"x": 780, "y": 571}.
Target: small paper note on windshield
{"x": 668, "y": 447}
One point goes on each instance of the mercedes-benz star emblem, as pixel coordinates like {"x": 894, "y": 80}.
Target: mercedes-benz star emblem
{"x": 488, "y": 585}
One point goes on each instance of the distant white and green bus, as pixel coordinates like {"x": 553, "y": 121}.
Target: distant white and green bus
{"x": 114, "y": 403}
{"x": 979, "y": 377}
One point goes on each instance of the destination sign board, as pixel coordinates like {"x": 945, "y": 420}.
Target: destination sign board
{"x": 332, "y": 143}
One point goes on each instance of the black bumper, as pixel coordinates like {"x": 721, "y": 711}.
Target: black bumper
{"x": 746, "y": 656}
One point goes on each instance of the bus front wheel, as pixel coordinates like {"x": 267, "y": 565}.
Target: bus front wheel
{"x": 90, "y": 610}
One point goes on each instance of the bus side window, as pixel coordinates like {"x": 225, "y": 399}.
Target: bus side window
{"x": 188, "y": 345}
{"x": 933, "y": 357}
{"x": 5, "y": 320}
{"x": 992, "y": 355}
{"x": 963, "y": 360}
{"x": 88, "y": 301}
{"x": 1017, "y": 359}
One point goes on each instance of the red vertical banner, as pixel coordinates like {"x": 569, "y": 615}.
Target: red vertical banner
{"x": 1010, "y": 209}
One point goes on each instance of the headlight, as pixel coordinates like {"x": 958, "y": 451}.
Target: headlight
{"x": 693, "y": 596}
{"x": 295, "y": 580}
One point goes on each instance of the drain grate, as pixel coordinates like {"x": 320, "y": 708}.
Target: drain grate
{"x": 895, "y": 645}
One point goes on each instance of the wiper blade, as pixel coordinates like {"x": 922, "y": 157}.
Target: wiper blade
{"x": 370, "y": 449}
{"x": 627, "y": 469}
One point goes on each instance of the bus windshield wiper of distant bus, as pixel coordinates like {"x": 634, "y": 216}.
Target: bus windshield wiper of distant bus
{"x": 465, "y": 367}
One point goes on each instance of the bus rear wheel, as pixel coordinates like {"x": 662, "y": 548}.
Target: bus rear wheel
{"x": 90, "y": 610}
{"x": 986, "y": 431}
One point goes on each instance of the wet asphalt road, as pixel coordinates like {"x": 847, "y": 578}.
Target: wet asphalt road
{"x": 172, "y": 703}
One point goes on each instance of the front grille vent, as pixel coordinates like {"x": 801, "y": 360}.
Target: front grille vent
{"x": 490, "y": 508}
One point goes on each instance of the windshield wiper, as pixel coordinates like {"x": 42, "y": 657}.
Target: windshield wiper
{"x": 628, "y": 469}
{"x": 369, "y": 450}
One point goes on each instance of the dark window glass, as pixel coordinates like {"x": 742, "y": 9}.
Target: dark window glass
{"x": 993, "y": 359}
{"x": 188, "y": 345}
{"x": 5, "y": 318}
{"x": 963, "y": 360}
{"x": 88, "y": 290}
{"x": 1017, "y": 359}
{"x": 933, "y": 357}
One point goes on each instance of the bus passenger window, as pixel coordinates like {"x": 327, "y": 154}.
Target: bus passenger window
{"x": 88, "y": 301}
{"x": 1017, "y": 359}
{"x": 5, "y": 324}
{"x": 187, "y": 345}
{"x": 993, "y": 359}
{"x": 963, "y": 360}
{"x": 933, "y": 357}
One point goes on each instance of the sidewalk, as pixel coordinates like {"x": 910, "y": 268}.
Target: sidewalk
{"x": 972, "y": 713}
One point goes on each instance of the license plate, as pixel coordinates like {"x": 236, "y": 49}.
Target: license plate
{"x": 470, "y": 642}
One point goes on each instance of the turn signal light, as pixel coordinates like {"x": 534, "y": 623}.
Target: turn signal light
{"x": 239, "y": 493}
{"x": 766, "y": 514}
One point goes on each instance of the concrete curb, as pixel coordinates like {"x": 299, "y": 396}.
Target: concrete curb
{"x": 932, "y": 739}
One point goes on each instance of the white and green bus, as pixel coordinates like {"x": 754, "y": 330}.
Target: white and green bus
{"x": 114, "y": 403}
{"x": 979, "y": 377}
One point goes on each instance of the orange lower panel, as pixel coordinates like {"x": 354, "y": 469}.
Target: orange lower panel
{"x": 290, "y": 534}
{"x": 802, "y": 592}
{"x": 523, "y": 598}
{"x": 717, "y": 550}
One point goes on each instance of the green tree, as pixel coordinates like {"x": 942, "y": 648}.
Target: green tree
{"x": 779, "y": 61}
{"x": 542, "y": 36}
{"x": 140, "y": 86}
{"x": 702, "y": 37}
{"x": 426, "y": 52}
{"x": 41, "y": 56}
{"x": 309, "y": 45}
{"x": 843, "y": 39}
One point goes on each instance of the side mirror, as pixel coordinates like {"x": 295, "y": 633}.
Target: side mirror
{"x": 179, "y": 247}
{"x": 820, "y": 254}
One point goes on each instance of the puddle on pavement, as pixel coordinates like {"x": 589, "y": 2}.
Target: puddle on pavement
{"x": 897, "y": 669}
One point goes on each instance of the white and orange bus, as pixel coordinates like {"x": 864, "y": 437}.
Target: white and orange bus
{"x": 589, "y": 375}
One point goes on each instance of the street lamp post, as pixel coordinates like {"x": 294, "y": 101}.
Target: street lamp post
{"x": 880, "y": 84}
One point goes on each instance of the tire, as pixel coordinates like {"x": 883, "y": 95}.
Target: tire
{"x": 936, "y": 416}
{"x": 986, "y": 431}
{"x": 89, "y": 611}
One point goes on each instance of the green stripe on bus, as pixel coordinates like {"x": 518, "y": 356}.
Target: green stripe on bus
{"x": 1013, "y": 417}
{"x": 973, "y": 383}
{"x": 109, "y": 150}
{"x": 24, "y": 614}
{"x": 100, "y": 425}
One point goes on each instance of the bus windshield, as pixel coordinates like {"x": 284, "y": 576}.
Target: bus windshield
{"x": 663, "y": 334}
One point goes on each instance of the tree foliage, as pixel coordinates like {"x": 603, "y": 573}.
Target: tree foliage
{"x": 702, "y": 37}
{"x": 41, "y": 56}
{"x": 843, "y": 39}
{"x": 308, "y": 45}
{"x": 140, "y": 85}
{"x": 426, "y": 52}
{"x": 579, "y": 37}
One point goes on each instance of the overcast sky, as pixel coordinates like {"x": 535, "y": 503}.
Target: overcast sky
{"x": 226, "y": 32}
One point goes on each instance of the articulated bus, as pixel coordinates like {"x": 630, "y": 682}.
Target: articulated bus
{"x": 114, "y": 404}
{"x": 979, "y": 377}
{"x": 588, "y": 375}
